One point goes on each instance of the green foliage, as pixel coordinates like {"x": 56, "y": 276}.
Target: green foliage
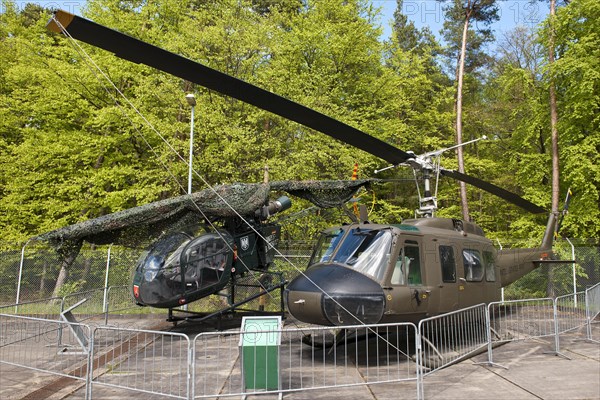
{"x": 71, "y": 287}
{"x": 577, "y": 73}
{"x": 71, "y": 148}
{"x": 479, "y": 14}
{"x": 517, "y": 102}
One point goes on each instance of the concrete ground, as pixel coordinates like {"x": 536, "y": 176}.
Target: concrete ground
{"x": 523, "y": 370}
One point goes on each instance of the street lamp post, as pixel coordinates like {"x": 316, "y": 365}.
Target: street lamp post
{"x": 192, "y": 102}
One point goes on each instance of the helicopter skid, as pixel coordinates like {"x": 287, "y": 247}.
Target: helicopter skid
{"x": 230, "y": 310}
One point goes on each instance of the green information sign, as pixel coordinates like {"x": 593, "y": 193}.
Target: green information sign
{"x": 259, "y": 345}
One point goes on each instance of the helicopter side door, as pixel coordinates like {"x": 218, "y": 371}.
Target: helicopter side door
{"x": 406, "y": 293}
{"x": 448, "y": 287}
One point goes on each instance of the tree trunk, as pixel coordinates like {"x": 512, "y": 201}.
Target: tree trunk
{"x": 554, "y": 135}
{"x": 63, "y": 275}
{"x": 43, "y": 280}
{"x": 68, "y": 253}
{"x": 87, "y": 263}
{"x": 459, "y": 133}
{"x": 553, "y": 114}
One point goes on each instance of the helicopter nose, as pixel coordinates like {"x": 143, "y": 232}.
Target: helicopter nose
{"x": 331, "y": 294}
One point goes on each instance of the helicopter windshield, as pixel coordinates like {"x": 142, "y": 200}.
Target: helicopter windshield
{"x": 325, "y": 246}
{"x": 365, "y": 250}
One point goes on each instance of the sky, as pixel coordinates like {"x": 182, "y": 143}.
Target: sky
{"x": 429, "y": 13}
{"x": 421, "y": 12}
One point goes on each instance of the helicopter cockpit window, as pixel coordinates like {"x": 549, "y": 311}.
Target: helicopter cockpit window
{"x": 325, "y": 246}
{"x": 408, "y": 265}
{"x": 162, "y": 256}
{"x": 490, "y": 272}
{"x": 373, "y": 261}
{"x": 448, "y": 263}
{"x": 473, "y": 265}
{"x": 366, "y": 251}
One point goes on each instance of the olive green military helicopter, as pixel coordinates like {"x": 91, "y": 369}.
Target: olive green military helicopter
{"x": 358, "y": 273}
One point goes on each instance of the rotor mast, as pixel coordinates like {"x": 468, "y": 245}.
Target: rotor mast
{"x": 429, "y": 166}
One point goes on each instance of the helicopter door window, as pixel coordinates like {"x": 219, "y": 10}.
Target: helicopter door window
{"x": 413, "y": 259}
{"x": 490, "y": 266}
{"x": 402, "y": 265}
{"x": 473, "y": 265}
{"x": 448, "y": 263}
{"x": 204, "y": 260}
{"x": 399, "y": 274}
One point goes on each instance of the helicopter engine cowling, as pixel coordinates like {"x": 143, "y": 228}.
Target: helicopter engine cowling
{"x": 332, "y": 294}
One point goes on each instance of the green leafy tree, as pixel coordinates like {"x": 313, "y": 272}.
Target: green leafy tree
{"x": 515, "y": 114}
{"x": 420, "y": 108}
{"x": 577, "y": 78}
{"x": 457, "y": 31}
{"x": 518, "y": 96}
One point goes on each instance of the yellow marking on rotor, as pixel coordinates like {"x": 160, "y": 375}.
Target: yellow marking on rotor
{"x": 63, "y": 17}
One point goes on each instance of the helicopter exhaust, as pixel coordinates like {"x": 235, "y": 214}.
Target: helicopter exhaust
{"x": 275, "y": 206}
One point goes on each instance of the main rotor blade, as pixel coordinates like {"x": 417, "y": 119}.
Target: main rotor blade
{"x": 498, "y": 191}
{"x": 135, "y": 50}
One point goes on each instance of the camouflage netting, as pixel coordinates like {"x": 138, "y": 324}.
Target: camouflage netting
{"x": 136, "y": 225}
{"x": 140, "y": 225}
{"x": 323, "y": 194}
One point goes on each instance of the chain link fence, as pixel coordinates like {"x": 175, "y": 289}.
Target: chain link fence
{"x": 553, "y": 280}
{"x": 29, "y": 273}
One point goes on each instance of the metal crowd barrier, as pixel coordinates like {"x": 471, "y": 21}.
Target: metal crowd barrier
{"x": 570, "y": 312}
{"x": 519, "y": 320}
{"x": 306, "y": 358}
{"x": 449, "y": 338}
{"x": 34, "y": 343}
{"x": 102, "y": 301}
{"x": 143, "y": 361}
{"x": 357, "y": 355}
{"x": 49, "y": 308}
{"x": 92, "y": 306}
{"x": 592, "y": 306}
{"x": 119, "y": 299}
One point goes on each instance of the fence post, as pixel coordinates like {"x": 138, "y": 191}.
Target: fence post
{"x": 556, "y": 327}
{"x": 20, "y": 276}
{"x": 488, "y": 327}
{"x": 106, "y": 300}
{"x": 418, "y": 345}
{"x": 556, "y": 351}
{"x": 574, "y": 273}
{"x": 90, "y": 365}
{"x": 105, "y": 307}
{"x": 191, "y": 381}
